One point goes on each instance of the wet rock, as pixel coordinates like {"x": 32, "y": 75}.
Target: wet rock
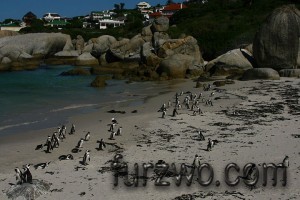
{"x": 261, "y": 73}
{"x": 76, "y": 72}
{"x": 100, "y": 81}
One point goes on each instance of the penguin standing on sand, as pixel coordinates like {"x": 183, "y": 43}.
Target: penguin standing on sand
{"x": 55, "y": 140}
{"x": 63, "y": 131}
{"x": 79, "y": 144}
{"x": 59, "y": 132}
{"x": 209, "y": 145}
{"x": 201, "y": 136}
{"x": 27, "y": 176}
{"x": 112, "y": 135}
{"x": 174, "y": 112}
{"x": 200, "y": 95}
{"x": 101, "y": 144}
{"x": 86, "y": 158}
{"x": 72, "y": 130}
{"x": 164, "y": 114}
{"x": 87, "y": 136}
{"x": 19, "y": 176}
{"x": 49, "y": 144}
{"x": 112, "y": 127}
{"x": 162, "y": 108}
{"x": 119, "y": 131}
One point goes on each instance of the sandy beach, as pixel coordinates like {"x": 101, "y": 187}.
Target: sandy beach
{"x": 252, "y": 121}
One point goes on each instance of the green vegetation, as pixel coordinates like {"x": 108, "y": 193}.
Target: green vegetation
{"x": 133, "y": 26}
{"x": 218, "y": 25}
{"x": 221, "y": 25}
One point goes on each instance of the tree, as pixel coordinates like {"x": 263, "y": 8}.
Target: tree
{"x": 28, "y": 18}
{"x": 117, "y": 6}
{"x": 9, "y": 20}
{"x": 169, "y": 2}
{"x": 122, "y": 5}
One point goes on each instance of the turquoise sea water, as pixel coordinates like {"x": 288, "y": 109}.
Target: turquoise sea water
{"x": 39, "y": 99}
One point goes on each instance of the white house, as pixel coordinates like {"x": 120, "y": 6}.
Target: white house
{"x": 104, "y": 23}
{"x": 51, "y": 16}
{"x": 143, "y": 5}
{"x": 98, "y": 15}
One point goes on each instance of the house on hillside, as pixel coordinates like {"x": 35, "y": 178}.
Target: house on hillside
{"x": 167, "y": 10}
{"x": 170, "y": 9}
{"x": 143, "y": 5}
{"x": 98, "y": 15}
{"x": 106, "y": 23}
{"x": 103, "y": 20}
{"x": 51, "y": 16}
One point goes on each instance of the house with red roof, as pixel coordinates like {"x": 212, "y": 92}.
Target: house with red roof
{"x": 168, "y": 10}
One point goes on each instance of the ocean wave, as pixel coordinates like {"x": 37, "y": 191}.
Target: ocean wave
{"x": 76, "y": 106}
{"x": 20, "y": 124}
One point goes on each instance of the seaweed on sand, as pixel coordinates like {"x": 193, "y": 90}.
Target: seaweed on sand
{"x": 27, "y": 191}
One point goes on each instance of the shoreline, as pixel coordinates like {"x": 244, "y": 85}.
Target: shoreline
{"x": 268, "y": 138}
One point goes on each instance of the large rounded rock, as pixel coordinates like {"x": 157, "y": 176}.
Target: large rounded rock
{"x": 101, "y": 44}
{"x": 289, "y": 72}
{"x": 186, "y": 46}
{"x": 147, "y": 33}
{"x": 5, "y": 60}
{"x": 276, "y": 44}
{"x": 160, "y": 36}
{"x": 176, "y": 66}
{"x": 34, "y": 44}
{"x": 79, "y": 44}
{"x": 233, "y": 62}
{"x": 127, "y": 49}
{"x": 261, "y": 73}
{"x": 86, "y": 59}
{"x": 160, "y": 24}
{"x": 71, "y": 53}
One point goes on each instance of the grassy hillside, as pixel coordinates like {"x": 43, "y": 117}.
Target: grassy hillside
{"x": 221, "y": 25}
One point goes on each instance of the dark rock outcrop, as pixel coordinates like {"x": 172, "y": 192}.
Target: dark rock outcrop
{"x": 276, "y": 44}
{"x": 289, "y": 73}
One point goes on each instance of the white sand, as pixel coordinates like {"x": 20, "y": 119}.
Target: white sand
{"x": 264, "y": 138}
